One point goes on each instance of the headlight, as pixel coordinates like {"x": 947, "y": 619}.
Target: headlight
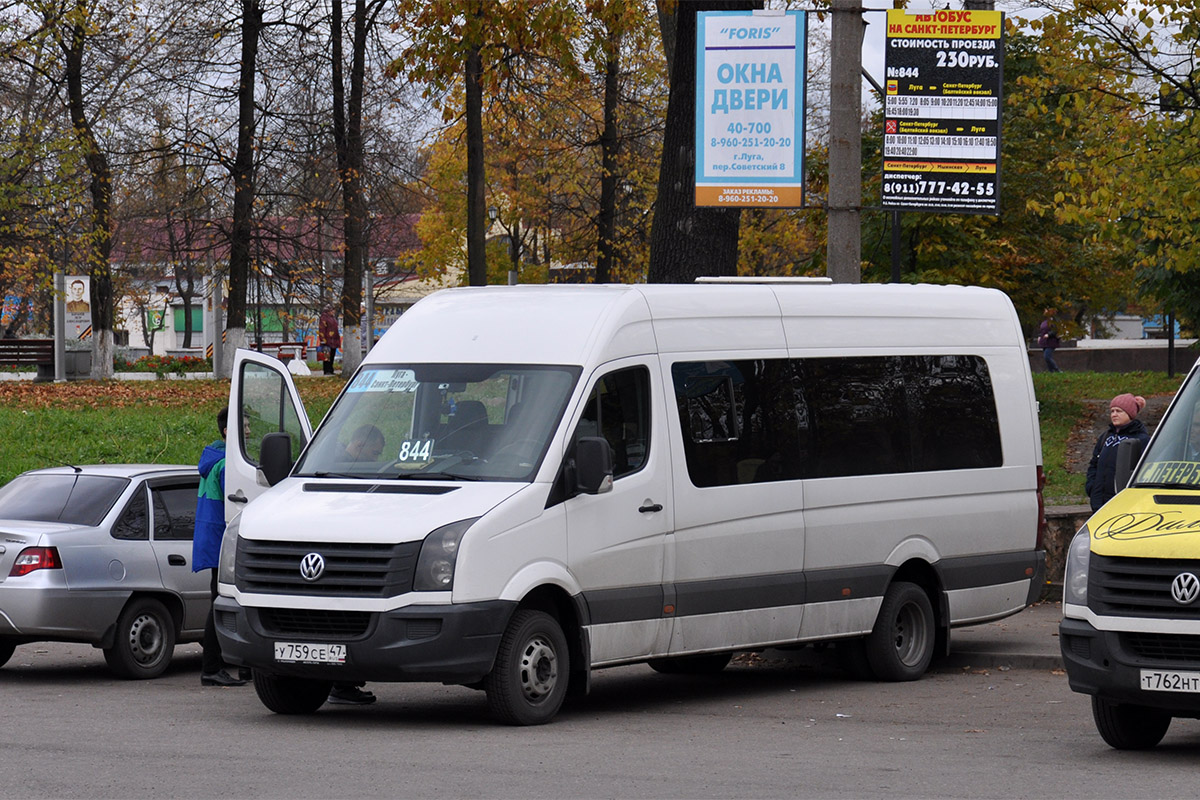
{"x": 228, "y": 551}
{"x": 439, "y": 553}
{"x": 1076, "y": 578}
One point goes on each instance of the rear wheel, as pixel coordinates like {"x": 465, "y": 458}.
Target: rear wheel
{"x": 1127, "y": 727}
{"x": 290, "y": 695}
{"x": 7, "y": 646}
{"x": 529, "y": 680}
{"x": 901, "y": 645}
{"x": 145, "y": 640}
{"x": 707, "y": 664}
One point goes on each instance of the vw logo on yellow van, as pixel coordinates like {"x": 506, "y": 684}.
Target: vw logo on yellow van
{"x": 312, "y": 566}
{"x": 1185, "y": 588}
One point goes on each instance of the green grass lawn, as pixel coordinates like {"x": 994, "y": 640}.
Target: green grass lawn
{"x": 169, "y": 422}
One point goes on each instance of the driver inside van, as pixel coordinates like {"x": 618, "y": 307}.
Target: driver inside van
{"x": 366, "y": 444}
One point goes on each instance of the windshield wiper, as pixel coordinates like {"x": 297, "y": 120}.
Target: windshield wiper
{"x": 1190, "y": 486}
{"x": 433, "y": 476}
{"x": 332, "y": 475}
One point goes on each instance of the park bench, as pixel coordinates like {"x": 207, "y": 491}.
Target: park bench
{"x": 38, "y": 353}
{"x": 285, "y": 350}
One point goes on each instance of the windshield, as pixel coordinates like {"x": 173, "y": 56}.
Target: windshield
{"x": 441, "y": 421}
{"x": 74, "y": 499}
{"x": 1173, "y": 458}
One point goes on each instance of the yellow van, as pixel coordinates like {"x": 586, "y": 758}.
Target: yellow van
{"x": 1130, "y": 633}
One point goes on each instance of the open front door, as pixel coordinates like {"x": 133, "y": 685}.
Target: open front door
{"x": 262, "y": 400}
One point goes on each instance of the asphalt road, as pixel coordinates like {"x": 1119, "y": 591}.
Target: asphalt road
{"x": 758, "y": 730}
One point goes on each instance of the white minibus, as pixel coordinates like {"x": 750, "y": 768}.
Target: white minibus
{"x": 522, "y": 484}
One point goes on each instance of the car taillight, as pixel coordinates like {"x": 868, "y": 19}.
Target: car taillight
{"x": 1041, "y": 523}
{"x": 35, "y": 558}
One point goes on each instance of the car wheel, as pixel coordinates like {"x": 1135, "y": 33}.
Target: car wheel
{"x": 1127, "y": 727}
{"x": 707, "y": 664}
{"x": 901, "y": 645}
{"x": 290, "y": 695}
{"x": 7, "y": 646}
{"x": 144, "y": 642}
{"x": 529, "y": 681}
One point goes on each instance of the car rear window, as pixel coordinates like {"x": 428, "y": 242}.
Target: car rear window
{"x": 74, "y": 499}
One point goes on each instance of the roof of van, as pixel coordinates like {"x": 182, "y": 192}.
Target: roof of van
{"x": 581, "y": 324}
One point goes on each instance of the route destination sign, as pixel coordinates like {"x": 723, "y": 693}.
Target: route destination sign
{"x": 941, "y": 140}
{"x": 750, "y": 108}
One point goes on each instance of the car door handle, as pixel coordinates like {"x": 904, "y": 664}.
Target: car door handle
{"x": 650, "y": 508}
{"x": 238, "y": 498}
{"x": 176, "y": 560}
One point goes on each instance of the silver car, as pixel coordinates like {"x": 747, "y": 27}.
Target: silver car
{"x": 102, "y": 555}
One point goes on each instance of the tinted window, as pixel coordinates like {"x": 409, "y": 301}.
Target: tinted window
{"x": 134, "y": 522}
{"x": 174, "y": 512}
{"x": 619, "y": 410}
{"x": 74, "y": 499}
{"x": 779, "y": 419}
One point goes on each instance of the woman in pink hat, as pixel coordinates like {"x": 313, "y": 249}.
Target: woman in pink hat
{"x": 1123, "y": 424}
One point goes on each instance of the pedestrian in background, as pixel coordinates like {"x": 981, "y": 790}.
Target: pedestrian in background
{"x": 328, "y": 337}
{"x": 1048, "y": 340}
{"x": 1102, "y": 469}
{"x": 206, "y": 549}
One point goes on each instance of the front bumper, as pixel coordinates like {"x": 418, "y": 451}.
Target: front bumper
{"x": 445, "y": 643}
{"x": 1101, "y": 663}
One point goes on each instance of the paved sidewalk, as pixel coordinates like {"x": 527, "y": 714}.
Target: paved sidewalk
{"x": 1026, "y": 640}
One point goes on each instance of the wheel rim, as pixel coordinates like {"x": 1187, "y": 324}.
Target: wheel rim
{"x": 146, "y": 639}
{"x": 909, "y": 634}
{"x": 539, "y": 669}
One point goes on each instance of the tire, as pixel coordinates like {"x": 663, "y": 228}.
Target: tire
{"x": 707, "y": 664}
{"x": 529, "y": 681}
{"x": 290, "y": 695}
{"x": 1127, "y": 727}
{"x": 902, "y": 643}
{"x": 145, "y": 640}
{"x": 7, "y": 646}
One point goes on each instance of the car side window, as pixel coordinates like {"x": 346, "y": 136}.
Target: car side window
{"x": 174, "y": 512}
{"x": 619, "y": 410}
{"x": 134, "y": 522}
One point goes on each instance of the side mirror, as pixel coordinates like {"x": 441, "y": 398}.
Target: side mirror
{"x": 593, "y": 465}
{"x": 276, "y": 455}
{"x": 1129, "y": 452}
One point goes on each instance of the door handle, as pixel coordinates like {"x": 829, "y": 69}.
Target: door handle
{"x": 238, "y": 498}
{"x": 649, "y": 507}
{"x": 176, "y": 560}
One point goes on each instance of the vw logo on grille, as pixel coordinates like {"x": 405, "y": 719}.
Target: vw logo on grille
{"x": 312, "y": 566}
{"x": 1185, "y": 588}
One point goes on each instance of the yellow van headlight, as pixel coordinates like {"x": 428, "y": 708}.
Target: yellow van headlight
{"x": 1075, "y": 580}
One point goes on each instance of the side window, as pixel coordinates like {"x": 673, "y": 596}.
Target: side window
{"x": 134, "y": 522}
{"x": 174, "y": 512}
{"x": 619, "y": 410}
{"x": 952, "y": 413}
{"x": 860, "y": 424}
{"x": 743, "y": 421}
{"x": 267, "y": 407}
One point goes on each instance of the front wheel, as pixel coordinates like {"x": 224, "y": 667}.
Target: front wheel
{"x": 145, "y": 640}
{"x": 901, "y": 645}
{"x": 529, "y": 681}
{"x": 290, "y": 695}
{"x": 1128, "y": 727}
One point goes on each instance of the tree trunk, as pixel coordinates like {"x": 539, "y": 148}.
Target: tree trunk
{"x": 100, "y": 187}
{"x": 686, "y": 241}
{"x": 243, "y": 184}
{"x": 607, "y": 222}
{"x": 476, "y": 212}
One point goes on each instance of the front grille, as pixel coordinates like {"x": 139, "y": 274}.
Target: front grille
{"x": 314, "y": 622}
{"x": 1166, "y": 647}
{"x": 351, "y": 570}
{"x": 1138, "y": 587}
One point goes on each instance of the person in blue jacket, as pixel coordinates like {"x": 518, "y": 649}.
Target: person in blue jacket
{"x": 206, "y": 549}
{"x": 1102, "y": 469}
